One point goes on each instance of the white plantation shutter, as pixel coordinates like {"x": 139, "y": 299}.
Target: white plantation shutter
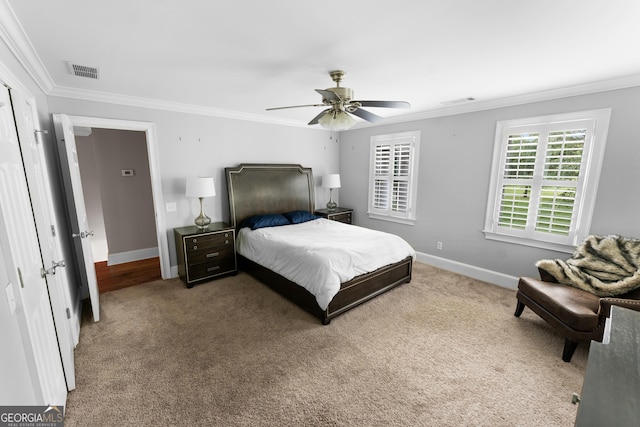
{"x": 401, "y": 175}
{"x": 541, "y": 191}
{"x": 517, "y": 177}
{"x": 381, "y": 184}
{"x": 393, "y": 176}
{"x": 561, "y": 177}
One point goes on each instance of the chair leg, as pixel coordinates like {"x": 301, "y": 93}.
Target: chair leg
{"x": 569, "y": 349}
{"x": 519, "y": 308}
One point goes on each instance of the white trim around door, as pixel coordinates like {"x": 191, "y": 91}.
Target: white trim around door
{"x": 154, "y": 168}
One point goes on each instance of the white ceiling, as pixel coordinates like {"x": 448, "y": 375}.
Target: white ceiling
{"x": 240, "y": 57}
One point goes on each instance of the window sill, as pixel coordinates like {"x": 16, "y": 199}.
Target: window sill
{"x": 559, "y": 247}
{"x": 406, "y": 221}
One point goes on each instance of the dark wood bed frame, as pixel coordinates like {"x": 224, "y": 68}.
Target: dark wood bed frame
{"x": 277, "y": 188}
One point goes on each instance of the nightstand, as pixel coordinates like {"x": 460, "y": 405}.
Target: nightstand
{"x": 337, "y": 214}
{"x": 205, "y": 254}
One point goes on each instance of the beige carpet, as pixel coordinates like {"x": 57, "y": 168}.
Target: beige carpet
{"x": 443, "y": 350}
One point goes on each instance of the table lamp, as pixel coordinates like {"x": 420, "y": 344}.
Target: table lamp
{"x": 331, "y": 181}
{"x": 201, "y": 187}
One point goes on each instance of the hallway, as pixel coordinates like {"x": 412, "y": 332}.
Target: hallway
{"x": 127, "y": 274}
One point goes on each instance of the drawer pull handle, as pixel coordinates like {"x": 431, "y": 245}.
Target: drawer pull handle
{"x": 226, "y": 234}
{"x": 212, "y": 254}
{"x": 214, "y": 268}
{"x": 195, "y": 247}
{"x": 195, "y": 240}
{"x": 226, "y": 242}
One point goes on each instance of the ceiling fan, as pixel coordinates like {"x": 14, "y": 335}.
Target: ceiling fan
{"x": 341, "y": 105}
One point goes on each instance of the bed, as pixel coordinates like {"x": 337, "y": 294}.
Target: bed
{"x": 258, "y": 189}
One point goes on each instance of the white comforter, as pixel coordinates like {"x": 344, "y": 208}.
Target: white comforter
{"x": 321, "y": 254}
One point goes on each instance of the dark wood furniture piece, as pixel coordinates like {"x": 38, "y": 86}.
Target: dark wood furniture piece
{"x": 276, "y": 188}
{"x": 338, "y": 214}
{"x": 205, "y": 254}
{"x": 612, "y": 380}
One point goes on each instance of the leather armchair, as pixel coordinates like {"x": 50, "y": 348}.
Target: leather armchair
{"x": 576, "y": 314}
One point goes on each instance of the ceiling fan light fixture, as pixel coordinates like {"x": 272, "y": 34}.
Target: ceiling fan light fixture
{"x": 341, "y": 105}
{"x": 336, "y": 120}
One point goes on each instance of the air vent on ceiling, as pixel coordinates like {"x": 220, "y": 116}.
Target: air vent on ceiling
{"x": 83, "y": 71}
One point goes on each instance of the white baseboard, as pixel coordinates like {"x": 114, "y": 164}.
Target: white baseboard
{"x": 478, "y": 273}
{"x": 137, "y": 255}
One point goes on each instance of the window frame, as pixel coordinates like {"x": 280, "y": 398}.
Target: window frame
{"x": 586, "y": 185}
{"x": 400, "y": 138}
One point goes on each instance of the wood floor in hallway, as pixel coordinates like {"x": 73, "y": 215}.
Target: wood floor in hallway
{"x": 128, "y": 274}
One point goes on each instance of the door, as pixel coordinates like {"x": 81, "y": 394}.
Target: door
{"x": 77, "y": 211}
{"x": 24, "y": 263}
{"x": 66, "y": 312}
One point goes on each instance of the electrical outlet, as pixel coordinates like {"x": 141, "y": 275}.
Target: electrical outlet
{"x": 171, "y": 207}
{"x": 439, "y": 245}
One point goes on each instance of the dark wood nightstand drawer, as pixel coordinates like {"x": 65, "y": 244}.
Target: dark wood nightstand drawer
{"x": 194, "y": 243}
{"x": 202, "y": 271}
{"x": 338, "y": 214}
{"x": 213, "y": 253}
{"x": 343, "y": 217}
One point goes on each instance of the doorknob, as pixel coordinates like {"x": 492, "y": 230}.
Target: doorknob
{"x": 52, "y": 270}
{"x": 83, "y": 234}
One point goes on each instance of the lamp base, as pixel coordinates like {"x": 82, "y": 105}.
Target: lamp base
{"x": 331, "y": 205}
{"x": 202, "y": 221}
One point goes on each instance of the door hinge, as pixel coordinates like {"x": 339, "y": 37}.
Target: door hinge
{"x": 53, "y": 230}
{"x": 39, "y": 132}
{"x": 68, "y": 313}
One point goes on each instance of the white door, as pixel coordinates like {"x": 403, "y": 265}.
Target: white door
{"x": 77, "y": 210}
{"x": 66, "y": 313}
{"x": 22, "y": 254}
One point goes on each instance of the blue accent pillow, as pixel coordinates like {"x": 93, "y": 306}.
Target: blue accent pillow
{"x": 296, "y": 217}
{"x": 266, "y": 220}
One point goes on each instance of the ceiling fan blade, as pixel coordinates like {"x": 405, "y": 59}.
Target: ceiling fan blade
{"x": 384, "y": 104}
{"x": 327, "y": 94}
{"x": 314, "y": 121}
{"x": 364, "y": 114}
{"x": 295, "y": 106}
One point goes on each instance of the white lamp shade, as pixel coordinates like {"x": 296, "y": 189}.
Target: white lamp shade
{"x": 200, "y": 187}
{"x": 331, "y": 180}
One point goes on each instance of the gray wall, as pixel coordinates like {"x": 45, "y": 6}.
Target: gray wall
{"x": 454, "y": 176}
{"x": 123, "y": 205}
{"x": 192, "y": 145}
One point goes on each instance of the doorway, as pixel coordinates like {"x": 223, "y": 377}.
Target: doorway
{"x": 148, "y": 129}
{"x": 116, "y": 184}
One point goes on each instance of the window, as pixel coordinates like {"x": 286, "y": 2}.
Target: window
{"x": 393, "y": 176}
{"x": 544, "y": 179}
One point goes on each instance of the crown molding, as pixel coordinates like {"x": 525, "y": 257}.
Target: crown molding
{"x": 474, "y": 106}
{"x": 510, "y": 101}
{"x": 156, "y": 104}
{"x": 14, "y": 36}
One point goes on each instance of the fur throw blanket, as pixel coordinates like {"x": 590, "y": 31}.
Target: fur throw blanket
{"x": 602, "y": 265}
